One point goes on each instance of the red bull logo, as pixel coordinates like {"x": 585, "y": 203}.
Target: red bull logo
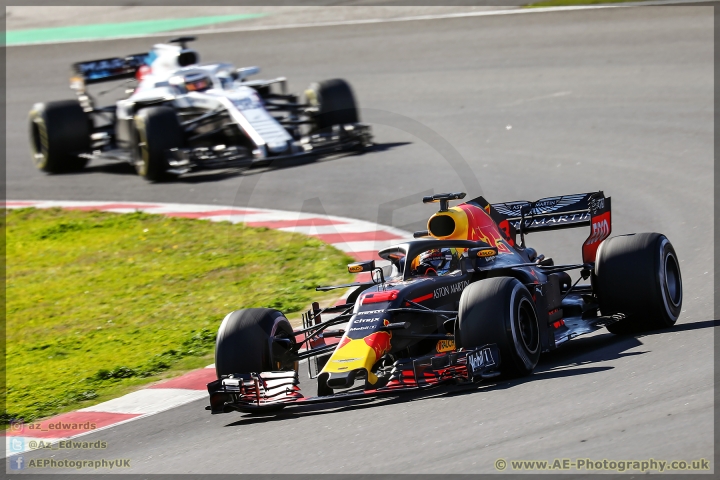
{"x": 352, "y": 354}
{"x": 379, "y": 342}
{"x": 482, "y": 227}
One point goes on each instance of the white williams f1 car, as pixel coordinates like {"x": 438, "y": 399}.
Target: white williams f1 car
{"x": 183, "y": 116}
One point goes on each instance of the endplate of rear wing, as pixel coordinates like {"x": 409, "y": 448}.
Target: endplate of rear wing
{"x": 554, "y": 213}
{"x": 106, "y": 69}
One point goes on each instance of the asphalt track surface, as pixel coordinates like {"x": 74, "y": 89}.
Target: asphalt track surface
{"x": 515, "y": 107}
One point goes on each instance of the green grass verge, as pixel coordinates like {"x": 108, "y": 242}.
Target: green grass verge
{"x": 100, "y": 303}
{"x": 567, "y": 3}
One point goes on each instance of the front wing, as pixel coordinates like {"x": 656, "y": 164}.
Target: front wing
{"x": 185, "y": 160}
{"x": 341, "y": 138}
{"x": 256, "y": 392}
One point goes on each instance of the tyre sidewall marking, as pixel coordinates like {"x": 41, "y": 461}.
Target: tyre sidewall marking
{"x": 311, "y": 96}
{"x": 41, "y": 156}
{"x": 220, "y": 335}
{"x": 141, "y": 164}
{"x": 598, "y": 256}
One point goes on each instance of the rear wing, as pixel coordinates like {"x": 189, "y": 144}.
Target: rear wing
{"x": 106, "y": 69}
{"x": 554, "y": 213}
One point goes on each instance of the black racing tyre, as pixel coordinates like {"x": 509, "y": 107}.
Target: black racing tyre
{"x": 335, "y": 102}
{"x": 501, "y": 310}
{"x": 243, "y": 341}
{"x": 157, "y": 130}
{"x": 59, "y": 132}
{"x": 638, "y": 275}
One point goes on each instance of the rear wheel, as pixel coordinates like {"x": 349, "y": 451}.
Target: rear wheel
{"x": 638, "y": 275}
{"x": 244, "y": 343}
{"x": 59, "y": 132}
{"x": 501, "y": 311}
{"x": 335, "y": 103}
{"x": 157, "y": 130}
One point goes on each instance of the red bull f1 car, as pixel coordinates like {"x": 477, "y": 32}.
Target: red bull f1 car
{"x": 182, "y": 115}
{"x": 465, "y": 301}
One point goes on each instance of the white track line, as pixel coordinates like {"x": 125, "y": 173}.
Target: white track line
{"x": 148, "y": 401}
{"x": 513, "y": 11}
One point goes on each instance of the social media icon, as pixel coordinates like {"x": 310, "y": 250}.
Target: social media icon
{"x": 16, "y": 425}
{"x": 17, "y": 463}
{"x": 16, "y": 444}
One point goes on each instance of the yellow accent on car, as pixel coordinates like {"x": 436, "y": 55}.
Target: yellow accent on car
{"x": 445, "y": 346}
{"x": 438, "y": 225}
{"x": 353, "y": 355}
{"x": 311, "y": 97}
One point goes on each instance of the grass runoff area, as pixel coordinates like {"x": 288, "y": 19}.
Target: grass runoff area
{"x": 99, "y": 303}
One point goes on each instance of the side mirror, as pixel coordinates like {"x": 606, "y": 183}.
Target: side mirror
{"x": 243, "y": 73}
{"x": 357, "y": 267}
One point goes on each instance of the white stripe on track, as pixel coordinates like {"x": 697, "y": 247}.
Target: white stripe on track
{"x": 355, "y": 227}
{"x": 365, "y": 246}
{"x": 148, "y": 401}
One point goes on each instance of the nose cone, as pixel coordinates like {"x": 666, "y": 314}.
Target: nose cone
{"x": 358, "y": 354}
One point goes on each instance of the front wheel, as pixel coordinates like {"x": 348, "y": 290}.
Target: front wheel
{"x": 244, "y": 342}
{"x": 501, "y": 311}
{"x": 638, "y": 275}
{"x": 334, "y": 101}
{"x": 157, "y": 130}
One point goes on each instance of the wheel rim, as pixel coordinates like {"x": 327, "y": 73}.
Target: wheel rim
{"x": 673, "y": 284}
{"x": 527, "y": 326}
{"x": 281, "y": 331}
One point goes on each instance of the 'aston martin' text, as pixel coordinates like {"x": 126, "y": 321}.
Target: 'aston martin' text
{"x": 454, "y": 288}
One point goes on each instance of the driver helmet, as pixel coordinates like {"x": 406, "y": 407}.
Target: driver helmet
{"x": 193, "y": 82}
{"x": 438, "y": 261}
